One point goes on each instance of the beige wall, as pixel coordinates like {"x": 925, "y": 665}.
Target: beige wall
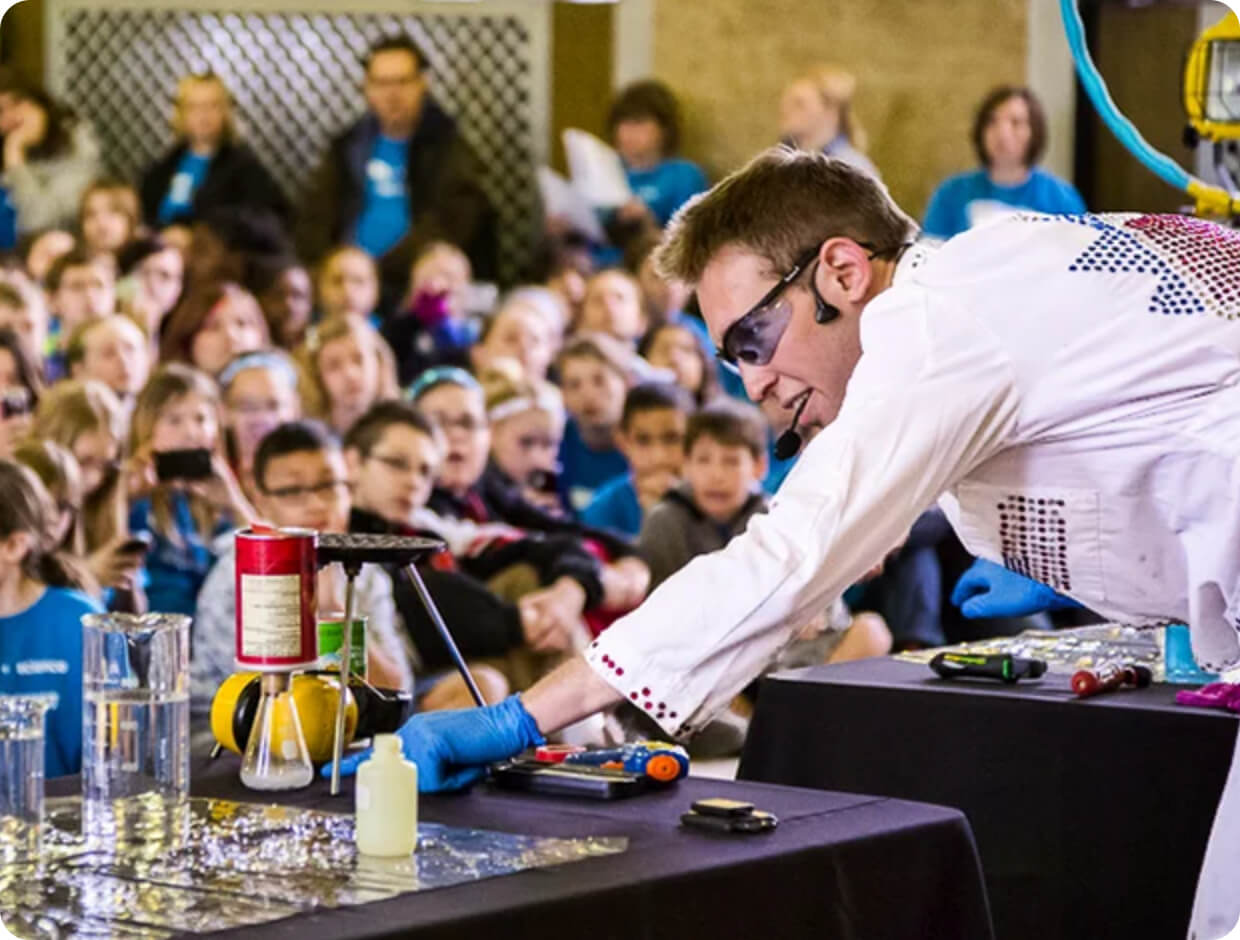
{"x": 922, "y": 66}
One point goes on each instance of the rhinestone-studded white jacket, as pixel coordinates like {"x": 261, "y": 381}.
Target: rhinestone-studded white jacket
{"x": 1067, "y": 387}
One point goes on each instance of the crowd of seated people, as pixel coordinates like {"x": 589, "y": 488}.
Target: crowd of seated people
{"x": 572, "y": 446}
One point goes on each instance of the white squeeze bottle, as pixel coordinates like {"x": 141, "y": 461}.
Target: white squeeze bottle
{"x": 387, "y": 801}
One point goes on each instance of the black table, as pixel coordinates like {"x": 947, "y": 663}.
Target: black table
{"x": 1091, "y": 816}
{"x": 838, "y": 866}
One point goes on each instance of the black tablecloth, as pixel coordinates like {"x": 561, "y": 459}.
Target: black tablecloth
{"x": 1091, "y": 816}
{"x": 838, "y": 866}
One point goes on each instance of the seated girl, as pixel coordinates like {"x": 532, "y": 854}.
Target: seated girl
{"x": 41, "y": 607}
{"x": 179, "y": 410}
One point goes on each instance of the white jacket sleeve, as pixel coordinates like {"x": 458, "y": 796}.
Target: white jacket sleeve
{"x": 932, "y": 396}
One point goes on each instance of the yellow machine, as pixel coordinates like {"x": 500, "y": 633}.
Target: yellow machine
{"x": 234, "y": 705}
{"x": 1212, "y": 83}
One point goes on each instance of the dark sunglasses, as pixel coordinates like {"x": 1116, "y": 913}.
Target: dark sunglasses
{"x": 752, "y": 338}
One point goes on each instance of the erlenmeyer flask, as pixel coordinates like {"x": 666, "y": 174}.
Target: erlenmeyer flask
{"x": 276, "y": 757}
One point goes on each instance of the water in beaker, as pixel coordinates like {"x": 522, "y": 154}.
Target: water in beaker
{"x": 21, "y": 774}
{"x": 135, "y": 733}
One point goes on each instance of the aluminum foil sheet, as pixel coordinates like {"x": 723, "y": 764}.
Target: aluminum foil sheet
{"x": 221, "y": 864}
{"x": 1066, "y": 651}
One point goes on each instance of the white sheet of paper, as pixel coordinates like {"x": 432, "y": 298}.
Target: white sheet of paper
{"x": 596, "y": 170}
{"x": 561, "y": 198}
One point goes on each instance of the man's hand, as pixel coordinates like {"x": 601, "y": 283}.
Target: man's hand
{"x": 990, "y": 590}
{"x": 453, "y": 749}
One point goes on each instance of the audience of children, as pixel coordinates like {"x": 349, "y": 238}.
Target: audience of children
{"x": 573, "y": 444}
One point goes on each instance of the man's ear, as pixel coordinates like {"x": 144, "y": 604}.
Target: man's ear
{"x": 846, "y": 265}
{"x": 760, "y": 468}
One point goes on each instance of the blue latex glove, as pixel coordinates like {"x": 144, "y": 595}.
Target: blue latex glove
{"x": 990, "y": 590}
{"x": 452, "y": 748}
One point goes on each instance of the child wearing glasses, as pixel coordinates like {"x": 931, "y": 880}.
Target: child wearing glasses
{"x": 299, "y": 475}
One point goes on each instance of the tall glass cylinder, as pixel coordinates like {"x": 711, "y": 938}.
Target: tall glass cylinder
{"x": 21, "y": 775}
{"x": 135, "y": 732}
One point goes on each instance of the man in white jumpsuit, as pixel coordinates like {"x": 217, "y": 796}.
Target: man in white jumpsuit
{"x": 1068, "y": 389}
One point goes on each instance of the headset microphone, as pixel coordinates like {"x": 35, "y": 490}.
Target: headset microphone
{"x": 788, "y": 443}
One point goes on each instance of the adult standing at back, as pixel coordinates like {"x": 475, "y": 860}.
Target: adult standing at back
{"x": 207, "y": 167}
{"x": 816, "y": 113}
{"x": 1009, "y": 136}
{"x": 400, "y": 178}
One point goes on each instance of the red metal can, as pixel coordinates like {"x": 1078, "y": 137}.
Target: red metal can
{"x": 275, "y": 599}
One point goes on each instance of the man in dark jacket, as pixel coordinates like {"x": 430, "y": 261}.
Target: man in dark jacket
{"x": 400, "y": 178}
{"x": 207, "y": 168}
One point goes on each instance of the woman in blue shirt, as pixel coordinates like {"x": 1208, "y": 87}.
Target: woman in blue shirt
{"x": 645, "y": 127}
{"x": 1009, "y": 135}
{"x": 41, "y": 608}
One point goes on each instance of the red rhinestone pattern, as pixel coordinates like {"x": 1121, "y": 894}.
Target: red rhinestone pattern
{"x": 1197, "y": 263}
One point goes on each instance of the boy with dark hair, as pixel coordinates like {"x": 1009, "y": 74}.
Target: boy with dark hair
{"x": 300, "y": 482}
{"x": 725, "y": 461}
{"x": 651, "y": 437}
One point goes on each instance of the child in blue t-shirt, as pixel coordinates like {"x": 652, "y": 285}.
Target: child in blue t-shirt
{"x": 178, "y": 410}
{"x": 1009, "y": 136}
{"x": 645, "y": 128}
{"x": 41, "y": 608}
{"x": 651, "y": 437}
{"x": 594, "y": 379}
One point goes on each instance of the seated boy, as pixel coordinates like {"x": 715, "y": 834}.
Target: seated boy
{"x": 594, "y": 377}
{"x": 725, "y": 461}
{"x": 651, "y": 437}
{"x": 299, "y": 475}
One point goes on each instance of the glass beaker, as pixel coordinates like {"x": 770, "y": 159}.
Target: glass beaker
{"x": 135, "y": 731}
{"x": 21, "y": 774}
{"x": 276, "y": 757}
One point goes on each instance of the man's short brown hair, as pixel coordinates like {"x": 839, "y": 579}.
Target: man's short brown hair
{"x": 780, "y": 205}
{"x": 730, "y": 423}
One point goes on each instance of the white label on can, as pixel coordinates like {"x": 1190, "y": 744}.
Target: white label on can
{"x": 271, "y": 616}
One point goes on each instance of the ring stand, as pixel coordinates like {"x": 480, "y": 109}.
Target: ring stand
{"x": 353, "y": 551}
